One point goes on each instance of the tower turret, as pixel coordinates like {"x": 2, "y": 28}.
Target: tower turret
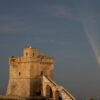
{"x": 30, "y": 52}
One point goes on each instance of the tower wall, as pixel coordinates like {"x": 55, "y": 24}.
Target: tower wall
{"x": 25, "y": 71}
{"x": 19, "y": 87}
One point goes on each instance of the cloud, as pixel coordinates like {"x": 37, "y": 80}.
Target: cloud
{"x": 90, "y": 22}
{"x": 12, "y": 24}
{"x": 64, "y": 12}
{"x": 56, "y": 11}
{"x": 61, "y": 11}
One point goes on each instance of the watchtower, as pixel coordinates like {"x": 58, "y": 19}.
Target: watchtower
{"x": 25, "y": 71}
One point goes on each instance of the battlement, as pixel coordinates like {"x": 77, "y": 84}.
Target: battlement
{"x": 40, "y": 59}
{"x": 31, "y": 55}
{"x": 31, "y": 64}
{"x": 21, "y": 60}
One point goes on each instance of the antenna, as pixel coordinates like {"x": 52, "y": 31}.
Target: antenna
{"x": 27, "y": 43}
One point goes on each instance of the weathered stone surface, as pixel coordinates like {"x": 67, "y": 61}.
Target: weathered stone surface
{"x": 31, "y": 78}
{"x": 55, "y": 91}
{"x": 24, "y": 71}
{"x": 19, "y": 87}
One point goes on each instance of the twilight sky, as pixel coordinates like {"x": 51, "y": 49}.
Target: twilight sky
{"x": 66, "y": 29}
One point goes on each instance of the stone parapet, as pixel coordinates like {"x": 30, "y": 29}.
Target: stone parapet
{"x": 30, "y": 59}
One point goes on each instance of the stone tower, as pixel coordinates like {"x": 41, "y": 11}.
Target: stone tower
{"x": 25, "y": 70}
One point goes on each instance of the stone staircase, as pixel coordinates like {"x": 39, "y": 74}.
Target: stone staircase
{"x": 64, "y": 93}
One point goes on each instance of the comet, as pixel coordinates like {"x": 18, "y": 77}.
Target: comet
{"x": 90, "y": 26}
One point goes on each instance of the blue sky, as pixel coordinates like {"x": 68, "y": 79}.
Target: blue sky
{"x": 66, "y": 29}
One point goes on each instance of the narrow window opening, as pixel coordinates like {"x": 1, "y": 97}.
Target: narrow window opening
{"x": 26, "y": 54}
{"x": 19, "y": 73}
{"x": 33, "y": 54}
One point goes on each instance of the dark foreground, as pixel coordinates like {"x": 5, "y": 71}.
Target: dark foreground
{"x": 23, "y": 98}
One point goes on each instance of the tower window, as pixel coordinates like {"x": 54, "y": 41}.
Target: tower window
{"x": 19, "y": 73}
{"x": 26, "y": 53}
